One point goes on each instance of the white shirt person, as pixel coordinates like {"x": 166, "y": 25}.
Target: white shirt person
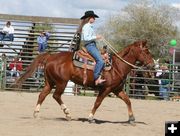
{"x": 7, "y": 33}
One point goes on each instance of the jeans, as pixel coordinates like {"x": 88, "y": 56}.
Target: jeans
{"x": 6, "y": 37}
{"x": 42, "y": 47}
{"x": 93, "y": 50}
{"x": 164, "y": 92}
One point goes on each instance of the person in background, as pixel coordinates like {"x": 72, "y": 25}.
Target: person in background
{"x": 16, "y": 67}
{"x": 7, "y": 33}
{"x": 42, "y": 41}
{"x": 164, "y": 82}
{"x": 89, "y": 37}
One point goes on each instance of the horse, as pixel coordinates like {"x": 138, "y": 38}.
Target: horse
{"x": 59, "y": 69}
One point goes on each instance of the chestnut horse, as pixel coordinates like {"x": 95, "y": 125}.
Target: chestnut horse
{"x": 59, "y": 69}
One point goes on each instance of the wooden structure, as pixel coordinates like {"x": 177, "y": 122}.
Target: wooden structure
{"x": 24, "y": 46}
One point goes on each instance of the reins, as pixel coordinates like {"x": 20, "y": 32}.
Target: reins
{"x": 116, "y": 53}
{"x": 110, "y": 47}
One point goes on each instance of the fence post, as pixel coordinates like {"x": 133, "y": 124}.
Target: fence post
{"x": 4, "y": 78}
{"x": 171, "y": 79}
{"x": 1, "y": 74}
{"x": 127, "y": 85}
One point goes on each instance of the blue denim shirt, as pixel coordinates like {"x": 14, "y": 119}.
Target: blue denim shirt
{"x": 43, "y": 39}
{"x": 42, "y": 42}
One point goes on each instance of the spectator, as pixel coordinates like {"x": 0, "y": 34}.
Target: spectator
{"x": 42, "y": 41}
{"x": 164, "y": 82}
{"x": 15, "y": 67}
{"x": 7, "y": 33}
{"x": 39, "y": 72}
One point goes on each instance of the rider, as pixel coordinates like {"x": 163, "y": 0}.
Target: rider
{"x": 89, "y": 37}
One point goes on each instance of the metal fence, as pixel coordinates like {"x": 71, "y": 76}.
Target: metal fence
{"x": 154, "y": 84}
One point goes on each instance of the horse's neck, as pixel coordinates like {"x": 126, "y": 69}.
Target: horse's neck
{"x": 123, "y": 66}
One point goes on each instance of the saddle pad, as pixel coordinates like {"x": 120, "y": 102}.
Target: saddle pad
{"x": 81, "y": 62}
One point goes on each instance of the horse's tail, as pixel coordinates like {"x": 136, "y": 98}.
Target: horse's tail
{"x": 39, "y": 60}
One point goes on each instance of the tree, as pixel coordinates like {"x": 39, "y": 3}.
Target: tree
{"x": 139, "y": 20}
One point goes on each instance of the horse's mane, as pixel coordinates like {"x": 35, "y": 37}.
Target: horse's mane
{"x": 126, "y": 50}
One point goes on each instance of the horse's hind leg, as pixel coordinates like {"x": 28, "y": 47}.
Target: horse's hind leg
{"x": 125, "y": 98}
{"x": 46, "y": 90}
{"x": 57, "y": 96}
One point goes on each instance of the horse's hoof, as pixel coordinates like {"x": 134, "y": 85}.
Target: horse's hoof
{"x": 132, "y": 123}
{"x": 91, "y": 120}
{"x": 68, "y": 117}
{"x": 66, "y": 111}
{"x": 131, "y": 120}
{"x": 36, "y": 114}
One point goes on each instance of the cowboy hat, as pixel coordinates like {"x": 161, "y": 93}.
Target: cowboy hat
{"x": 89, "y": 14}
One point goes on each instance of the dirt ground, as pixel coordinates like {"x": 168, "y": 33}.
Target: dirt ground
{"x": 16, "y": 110}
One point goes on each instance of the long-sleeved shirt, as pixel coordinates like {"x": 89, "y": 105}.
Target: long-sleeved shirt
{"x": 9, "y": 30}
{"x": 43, "y": 39}
{"x": 88, "y": 33}
{"x": 17, "y": 65}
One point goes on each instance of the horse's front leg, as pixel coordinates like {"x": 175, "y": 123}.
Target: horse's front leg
{"x": 102, "y": 94}
{"x": 126, "y": 99}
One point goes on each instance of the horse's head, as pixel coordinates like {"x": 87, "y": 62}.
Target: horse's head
{"x": 143, "y": 55}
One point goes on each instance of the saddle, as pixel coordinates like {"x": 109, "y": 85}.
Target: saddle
{"x": 83, "y": 59}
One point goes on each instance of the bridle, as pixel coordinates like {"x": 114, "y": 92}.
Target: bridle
{"x": 117, "y": 55}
